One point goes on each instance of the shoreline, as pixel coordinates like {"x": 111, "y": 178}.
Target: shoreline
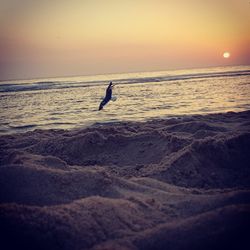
{"x": 120, "y": 122}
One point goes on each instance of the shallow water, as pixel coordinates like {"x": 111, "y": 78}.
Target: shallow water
{"x": 65, "y": 103}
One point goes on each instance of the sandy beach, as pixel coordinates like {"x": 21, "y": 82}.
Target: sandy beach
{"x": 179, "y": 183}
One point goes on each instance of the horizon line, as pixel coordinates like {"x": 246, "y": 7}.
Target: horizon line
{"x": 117, "y": 73}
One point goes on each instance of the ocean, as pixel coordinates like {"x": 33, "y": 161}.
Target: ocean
{"x": 72, "y": 102}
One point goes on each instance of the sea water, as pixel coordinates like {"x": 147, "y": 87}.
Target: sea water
{"x": 72, "y": 102}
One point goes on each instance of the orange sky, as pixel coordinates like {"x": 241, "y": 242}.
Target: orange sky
{"x": 78, "y": 37}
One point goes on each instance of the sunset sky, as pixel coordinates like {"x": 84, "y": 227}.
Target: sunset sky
{"x": 82, "y": 37}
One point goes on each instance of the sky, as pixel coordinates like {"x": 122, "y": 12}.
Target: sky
{"x": 84, "y": 37}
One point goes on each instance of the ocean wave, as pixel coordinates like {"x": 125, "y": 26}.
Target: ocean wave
{"x": 51, "y": 85}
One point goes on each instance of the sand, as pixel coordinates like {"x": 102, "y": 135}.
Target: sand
{"x": 179, "y": 183}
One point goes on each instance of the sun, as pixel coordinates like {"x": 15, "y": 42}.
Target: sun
{"x": 226, "y": 54}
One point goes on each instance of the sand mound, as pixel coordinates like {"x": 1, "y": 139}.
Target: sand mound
{"x": 198, "y": 232}
{"x": 96, "y": 148}
{"x": 41, "y": 186}
{"x": 79, "y": 225}
{"x": 210, "y": 163}
{"x": 88, "y": 222}
{"x": 181, "y": 183}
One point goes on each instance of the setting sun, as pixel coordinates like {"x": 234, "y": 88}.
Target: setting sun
{"x": 226, "y": 54}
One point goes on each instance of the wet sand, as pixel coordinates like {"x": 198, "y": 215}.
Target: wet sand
{"x": 179, "y": 183}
